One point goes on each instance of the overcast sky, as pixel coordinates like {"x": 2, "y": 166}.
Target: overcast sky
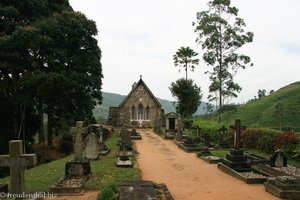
{"x": 139, "y": 37}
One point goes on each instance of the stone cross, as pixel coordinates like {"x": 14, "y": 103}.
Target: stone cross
{"x": 237, "y": 134}
{"x": 17, "y": 161}
{"x": 78, "y": 149}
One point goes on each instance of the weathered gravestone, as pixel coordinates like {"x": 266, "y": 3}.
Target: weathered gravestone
{"x": 188, "y": 142}
{"x": 125, "y": 150}
{"x": 79, "y": 166}
{"x": 137, "y": 190}
{"x": 91, "y": 147}
{"x": 104, "y": 150}
{"x": 125, "y": 139}
{"x": 278, "y": 159}
{"x": 236, "y": 159}
{"x": 17, "y": 161}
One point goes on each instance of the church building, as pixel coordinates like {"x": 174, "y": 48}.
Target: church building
{"x": 140, "y": 105}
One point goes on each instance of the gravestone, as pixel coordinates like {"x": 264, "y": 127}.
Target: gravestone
{"x": 91, "y": 147}
{"x": 125, "y": 139}
{"x": 179, "y": 137}
{"x": 134, "y": 134}
{"x": 223, "y": 143}
{"x": 137, "y": 190}
{"x": 278, "y": 159}
{"x": 236, "y": 159}
{"x": 79, "y": 166}
{"x": 197, "y": 138}
{"x": 103, "y": 149}
{"x": 207, "y": 142}
{"x": 17, "y": 161}
{"x": 284, "y": 187}
{"x": 123, "y": 158}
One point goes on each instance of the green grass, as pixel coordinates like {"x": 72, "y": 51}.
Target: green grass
{"x": 104, "y": 172}
{"x": 260, "y": 112}
{"x": 220, "y": 153}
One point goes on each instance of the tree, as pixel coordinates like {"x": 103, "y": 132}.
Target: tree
{"x": 279, "y": 113}
{"x": 220, "y": 33}
{"x": 261, "y": 93}
{"x": 51, "y": 62}
{"x": 184, "y": 57}
{"x": 188, "y": 96}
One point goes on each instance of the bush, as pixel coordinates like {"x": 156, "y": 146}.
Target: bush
{"x": 287, "y": 141}
{"x": 66, "y": 143}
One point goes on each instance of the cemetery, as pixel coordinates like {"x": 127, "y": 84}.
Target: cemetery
{"x": 200, "y": 136}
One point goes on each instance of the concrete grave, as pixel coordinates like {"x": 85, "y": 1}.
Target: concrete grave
{"x": 188, "y": 144}
{"x": 134, "y": 134}
{"x": 137, "y": 190}
{"x": 17, "y": 161}
{"x": 77, "y": 171}
{"x": 285, "y": 187}
{"x": 236, "y": 163}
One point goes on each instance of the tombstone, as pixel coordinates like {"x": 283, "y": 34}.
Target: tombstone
{"x": 237, "y": 133}
{"x": 134, "y": 134}
{"x": 137, "y": 190}
{"x": 197, "y": 138}
{"x": 223, "y": 143}
{"x": 284, "y": 187}
{"x": 103, "y": 149}
{"x": 91, "y": 147}
{"x": 126, "y": 139}
{"x": 17, "y": 161}
{"x": 236, "y": 159}
{"x": 278, "y": 159}
{"x": 123, "y": 158}
{"x": 79, "y": 166}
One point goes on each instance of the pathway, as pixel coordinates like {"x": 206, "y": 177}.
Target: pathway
{"x": 188, "y": 177}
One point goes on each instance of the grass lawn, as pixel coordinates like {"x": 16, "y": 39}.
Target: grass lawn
{"x": 104, "y": 172}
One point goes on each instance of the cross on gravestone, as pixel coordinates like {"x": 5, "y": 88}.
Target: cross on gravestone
{"x": 78, "y": 149}
{"x": 17, "y": 161}
{"x": 237, "y": 134}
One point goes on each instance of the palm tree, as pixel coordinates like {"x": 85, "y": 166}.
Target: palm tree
{"x": 184, "y": 57}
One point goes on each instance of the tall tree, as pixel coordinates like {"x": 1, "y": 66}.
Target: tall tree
{"x": 188, "y": 96}
{"x": 51, "y": 61}
{"x": 221, "y": 33}
{"x": 185, "y": 58}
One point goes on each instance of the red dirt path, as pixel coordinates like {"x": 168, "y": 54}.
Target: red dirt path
{"x": 188, "y": 177}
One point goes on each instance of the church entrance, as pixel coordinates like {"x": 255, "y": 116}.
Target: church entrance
{"x": 172, "y": 126}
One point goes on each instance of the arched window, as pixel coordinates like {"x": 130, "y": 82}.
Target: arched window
{"x": 147, "y": 112}
{"x": 140, "y": 111}
{"x": 133, "y": 113}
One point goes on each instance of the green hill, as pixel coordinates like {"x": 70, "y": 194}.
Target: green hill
{"x": 260, "y": 112}
{"x": 112, "y": 99}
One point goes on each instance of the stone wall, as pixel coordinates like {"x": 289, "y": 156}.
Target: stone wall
{"x": 139, "y": 95}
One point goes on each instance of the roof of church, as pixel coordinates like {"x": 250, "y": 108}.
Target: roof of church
{"x": 134, "y": 87}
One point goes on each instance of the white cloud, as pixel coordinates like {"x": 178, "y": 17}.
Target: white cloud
{"x": 140, "y": 37}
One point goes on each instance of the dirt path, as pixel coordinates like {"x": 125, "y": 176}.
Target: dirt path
{"x": 187, "y": 177}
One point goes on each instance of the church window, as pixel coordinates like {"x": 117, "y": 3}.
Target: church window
{"x": 140, "y": 111}
{"x": 147, "y": 112}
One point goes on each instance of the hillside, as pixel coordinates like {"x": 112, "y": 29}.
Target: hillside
{"x": 112, "y": 99}
{"x": 260, "y": 112}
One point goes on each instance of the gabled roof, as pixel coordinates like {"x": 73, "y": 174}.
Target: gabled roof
{"x": 146, "y": 87}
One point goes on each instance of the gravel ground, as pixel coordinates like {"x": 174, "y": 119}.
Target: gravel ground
{"x": 290, "y": 170}
{"x": 252, "y": 175}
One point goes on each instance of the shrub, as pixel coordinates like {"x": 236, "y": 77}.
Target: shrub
{"x": 66, "y": 143}
{"x": 287, "y": 141}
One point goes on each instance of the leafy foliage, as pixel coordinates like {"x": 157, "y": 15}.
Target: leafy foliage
{"x": 50, "y": 64}
{"x": 221, "y": 33}
{"x": 188, "y": 96}
{"x": 184, "y": 58}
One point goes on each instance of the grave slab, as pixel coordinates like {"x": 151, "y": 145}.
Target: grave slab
{"x": 137, "y": 190}
{"x": 285, "y": 187}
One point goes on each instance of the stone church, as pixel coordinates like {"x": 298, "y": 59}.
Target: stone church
{"x": 140, "y": 105}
